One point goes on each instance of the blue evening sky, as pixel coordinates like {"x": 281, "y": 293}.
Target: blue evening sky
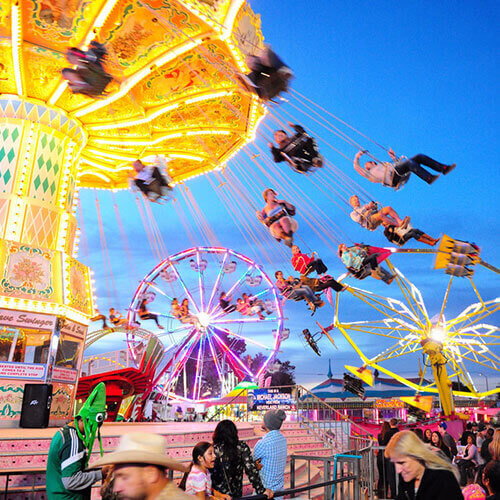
{"x": 421, "y": 77}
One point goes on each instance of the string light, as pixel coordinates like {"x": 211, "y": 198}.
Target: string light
{"x": 17, "y": 38}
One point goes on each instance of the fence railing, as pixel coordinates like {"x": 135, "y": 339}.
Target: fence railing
{"x": 340, "y": 472}
{"x": 335, "y": 429}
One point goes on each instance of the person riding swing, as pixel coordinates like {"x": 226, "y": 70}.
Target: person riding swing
{"x": 300, "y": 151}
{"x": 277, "y": 215}
{"x": 89, "y": 78}
{"x": 269, "y": 75}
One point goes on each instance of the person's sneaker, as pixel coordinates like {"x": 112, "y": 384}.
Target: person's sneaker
{"x": 319, "y": 303}
{"x": 288, "y": 242}
{"x": 161, "y": 327}
{"x": 433, "y": 179}
{"x": 391, "y": 279}
{"x": 449, "y": 168}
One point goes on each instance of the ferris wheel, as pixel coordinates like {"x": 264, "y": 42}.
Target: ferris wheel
{"x": 219, "y": 318}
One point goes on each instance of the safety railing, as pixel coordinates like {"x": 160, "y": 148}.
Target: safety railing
{"x": 334, "y": 428}
{"x": 340, "y": 473}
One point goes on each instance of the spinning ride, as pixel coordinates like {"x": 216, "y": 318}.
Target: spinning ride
{"x": 449, "y": 347}
{"x": 211, "y": 349}
{"x": 173, "y": 93}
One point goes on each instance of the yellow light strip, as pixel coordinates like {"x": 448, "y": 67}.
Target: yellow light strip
{"x": 100, "y": 166}
{"x": 158, "y": 140}
{"x": 58, "y": 93}
{"x": 185, "y": 157}
{"x": 63, "y": 227}
{"x": 231, "y": 16}
{"x": 100, "y": 20}
{"x": 94, "y": 174}
{"x": 141, "y": 74}
{"x": 139, "y": 121}
{"x": 17, "y": 38}
{"x": 208, "y": 132}
{"x": 158, "y": 112}
{"x": 112, "y": 156}
{"x": 44, "y": 307}
{"x": 206, "y": 97}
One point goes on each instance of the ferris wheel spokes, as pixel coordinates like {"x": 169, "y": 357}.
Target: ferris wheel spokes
{"x": 184, "y": 287}
{"x": 246, "y": 339}
{"x": 158, "y": 289}
{"x": 217, "y": 283}
{"x": 230, "y": 352}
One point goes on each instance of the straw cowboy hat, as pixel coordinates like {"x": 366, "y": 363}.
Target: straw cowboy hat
{"x": 140, "y": 448}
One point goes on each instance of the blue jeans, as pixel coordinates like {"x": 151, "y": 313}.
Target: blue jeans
{"x": 414, "y": 165}
{"x": 302, "y": 292}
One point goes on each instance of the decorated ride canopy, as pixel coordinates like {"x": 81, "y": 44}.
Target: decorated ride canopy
{"x": 174, "y": 90}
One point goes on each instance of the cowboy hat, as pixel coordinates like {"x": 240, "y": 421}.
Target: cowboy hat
{"x": 140, "y": 448}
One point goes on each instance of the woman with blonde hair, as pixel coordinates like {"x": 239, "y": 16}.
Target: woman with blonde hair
{"x": 494, "y": 447}
{"x": 425, "y": 475}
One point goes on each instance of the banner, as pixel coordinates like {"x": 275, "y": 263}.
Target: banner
{"x": 23, "y": 319}
{"x": 270, "y": 399}
{"x": 22, "y": 370}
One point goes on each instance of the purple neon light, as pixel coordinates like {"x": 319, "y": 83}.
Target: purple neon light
{"x": 232, "y": 288}
{"x": 217, "y": 281}
{"x": 227, "y": 349}
{"x": 181, "y": 281}
{"x": 242, "y": 320}
{"x": 246, "y": 339}
{"x": 200, "y": 280}
{"x": 212, "y": 350}
{"x": 197, "y": 369}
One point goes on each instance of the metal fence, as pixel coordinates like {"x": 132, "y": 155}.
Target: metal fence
{"x": 340, "y": 472}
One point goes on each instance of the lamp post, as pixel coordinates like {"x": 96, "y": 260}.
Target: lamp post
{"x": 486, "y": 377}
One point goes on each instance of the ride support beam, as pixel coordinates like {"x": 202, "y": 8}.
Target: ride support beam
{"x": 438, "y": 362}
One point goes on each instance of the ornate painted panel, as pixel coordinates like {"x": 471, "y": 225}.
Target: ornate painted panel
{"x": 28, "y": 272}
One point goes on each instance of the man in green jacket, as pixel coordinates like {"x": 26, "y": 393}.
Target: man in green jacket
{"x": 70, "y": 451}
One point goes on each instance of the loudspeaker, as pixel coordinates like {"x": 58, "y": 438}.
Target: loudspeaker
{"x": 35, "y": 410}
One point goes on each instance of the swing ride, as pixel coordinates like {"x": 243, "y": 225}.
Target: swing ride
{"x": 179, "y": 92}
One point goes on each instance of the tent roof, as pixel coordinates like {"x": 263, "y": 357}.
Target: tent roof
{"x": 383, "y": 388}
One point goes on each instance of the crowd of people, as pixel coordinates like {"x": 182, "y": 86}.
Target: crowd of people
{"x": 432, "y": 464}
{"x": 418, "y": 464}
{"x": 136, "y": 470}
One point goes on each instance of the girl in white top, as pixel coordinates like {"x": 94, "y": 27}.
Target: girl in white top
{"x": 198, "y": 481}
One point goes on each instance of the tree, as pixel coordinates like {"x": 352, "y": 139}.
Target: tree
{"x": 285, "y": 375}
{"x": 281, "y": 373}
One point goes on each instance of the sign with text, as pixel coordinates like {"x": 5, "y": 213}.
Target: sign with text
{"x": 270, "y": 399}
{"x": 72, "y": 328}
{"x": 383, "y": 404}
{"x": 22, "y": 370}
{"x": 64, "y": 375}
{"x": 22, "y": 319}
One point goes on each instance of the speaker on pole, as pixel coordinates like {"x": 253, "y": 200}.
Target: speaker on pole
{"x": 35, "y": 410}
